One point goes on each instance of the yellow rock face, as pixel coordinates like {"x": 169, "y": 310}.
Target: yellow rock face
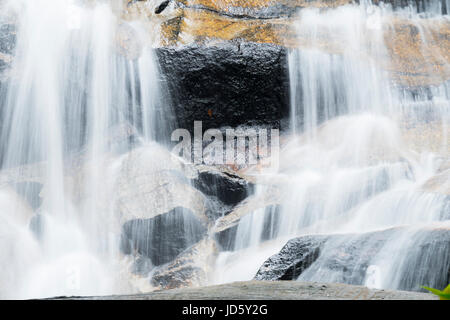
{"x": 197, "y": 26}
{"x": 415, "y": 58}
{"x": 419, "y": 57}
{"x": 228, "y": 5}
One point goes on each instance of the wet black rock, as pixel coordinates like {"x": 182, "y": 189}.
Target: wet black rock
{"x": 297, "y": 255}
{"x": 164, "y": 237}
{"x": 347, "y": 256}
{"x": 160, "y": 8}
{"x": 424, "y": 258}
{"x": 228, "y": 188}
{"x": 227, "y": 83}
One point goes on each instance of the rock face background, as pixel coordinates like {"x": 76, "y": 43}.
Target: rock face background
{"x": 222, "y": 41}
{"x": 232, "y": 48}
{"x": 164, "y": 237}
{"x": 203, "y": 21}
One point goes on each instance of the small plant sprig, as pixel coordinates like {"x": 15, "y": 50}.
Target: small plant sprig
{"x": 443, "y": 295}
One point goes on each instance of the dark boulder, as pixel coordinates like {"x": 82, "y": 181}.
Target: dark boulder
{"x": 345, "y": 258}
{"x": 348, "y": 255}
{"x": 228, "y": 188}
{"x": 164, "y": 237}
{"x": 423, "y": 258}
{"x": 297, "y": 255}
{"x": 227, "y": 84}
{"x": 160, "y": 8}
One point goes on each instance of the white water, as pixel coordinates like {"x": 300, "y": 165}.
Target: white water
{"x": 349, "y": 164}
{"x": 69, "y": 95}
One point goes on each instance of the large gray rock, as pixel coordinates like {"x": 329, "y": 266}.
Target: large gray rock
{"x": 152, "y": 181}
{"x": 164, "y": 237}
{"x": 297, "y": 255}
{"x": 416, "y": 257}
{"x": 229, "y": 188}
{"x": 227, "y": 84}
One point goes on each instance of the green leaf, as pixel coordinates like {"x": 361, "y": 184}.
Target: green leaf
{"x": 444, "y": 295}
{"x": 447, "y": 290}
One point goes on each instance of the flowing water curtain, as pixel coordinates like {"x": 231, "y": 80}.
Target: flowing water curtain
{"x": 402, "y": 202}
{"x": 339, "y": 47}
{"x": 67, "y": 104}
{"x": 353, "y": 168}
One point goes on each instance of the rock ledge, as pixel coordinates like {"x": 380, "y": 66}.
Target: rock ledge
{"x": 269, "y": 290}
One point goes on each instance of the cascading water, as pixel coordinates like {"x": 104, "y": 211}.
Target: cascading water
{"x": 66, "y": 120}
{"x": 350, "y": 166}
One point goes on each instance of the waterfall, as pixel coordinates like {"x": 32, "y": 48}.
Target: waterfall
{"x": 66, "y": 121}
{"x": 350, "y": 164}
{"x": 93, "y": 203}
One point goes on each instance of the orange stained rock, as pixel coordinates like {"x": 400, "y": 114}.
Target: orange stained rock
{"x": 225, "y": 5}
{"x": 197, "y": 25}
{"x": 412, "y": 57}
